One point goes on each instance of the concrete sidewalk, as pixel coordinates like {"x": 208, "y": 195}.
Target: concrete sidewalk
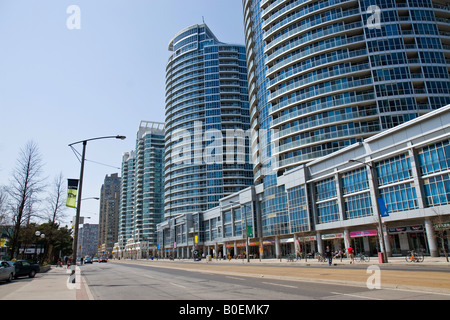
{"x": 51, "y": 285}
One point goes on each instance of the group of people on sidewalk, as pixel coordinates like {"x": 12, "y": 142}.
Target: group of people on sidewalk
{"x": 67, "y": 261}
{"x": 329, "y": 254}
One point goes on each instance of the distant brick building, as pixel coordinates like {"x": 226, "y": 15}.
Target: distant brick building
{"x": 109, "y": 213}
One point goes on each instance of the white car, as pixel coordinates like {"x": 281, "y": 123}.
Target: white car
{"x": 7, "y": 271}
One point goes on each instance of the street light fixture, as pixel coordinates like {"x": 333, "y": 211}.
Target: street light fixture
{"x": 38, "y": 235}
{"x": 380, "y": 226}
{"x": 80, "y": 187}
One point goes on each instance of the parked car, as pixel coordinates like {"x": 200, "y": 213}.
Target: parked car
{"x": 95, "y": 259}
{"x": 88, "y": 260}
{"x": 103, "y": 259}
{"x": 7, "y": 271}
{"x": 25, "y": 268}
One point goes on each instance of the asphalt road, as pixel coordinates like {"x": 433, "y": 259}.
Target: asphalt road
{"x": 124, "y": 281}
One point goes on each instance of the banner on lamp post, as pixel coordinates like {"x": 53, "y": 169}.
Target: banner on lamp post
{"x": 383, "y": 209}
{"x": 72, "y": 187}
{"x": 250, "y": 231}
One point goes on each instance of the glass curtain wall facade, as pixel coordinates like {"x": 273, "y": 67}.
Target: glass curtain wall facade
{"x": 409, "y": 174}
{"x": 207, "y": 119}
{"x": 326, "y": 74}
{"x": 142, "y": 199}
{"x": 335, "y": 201}
{"x": 127, "y": 199}
{"x": 149, "y": 183}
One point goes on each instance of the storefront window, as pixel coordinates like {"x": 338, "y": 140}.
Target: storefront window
{"x": 327, "y": 212}
{"x": 435, "y": 157}
{"x": 400, "y": 197}
{"x": 393, "y": 170}
{"x": 437, "y": 190}
{"x": 358, "y": 206}
{"x": 354, "y": 181}
{"x": 405, "y": 238}
{"x": 298, "y": 209}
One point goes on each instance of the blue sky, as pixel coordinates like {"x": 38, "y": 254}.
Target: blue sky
{"x": 59, "y": 86}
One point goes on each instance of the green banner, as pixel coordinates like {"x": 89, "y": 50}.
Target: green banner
{"x": 250, "y": 231}
{"x": 72, "y": 188}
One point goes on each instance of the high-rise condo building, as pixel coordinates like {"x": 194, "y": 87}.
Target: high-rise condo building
{"x": 87, "y": 240}
{"x": 127, "y": 200}
{"x": 142, "y": 191}
{"x": 207, "y": 153}
{"x": 109, "y": 213}
{"x": 326, "y": 74}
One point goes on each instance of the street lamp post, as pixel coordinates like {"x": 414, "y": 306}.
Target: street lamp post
{"x": 194, "y": 245}
{"x": 42, "y": 236}
{"x": 246, "y": 228}
{"x": 80, "y": 189}
{"x": 380, "y": 226}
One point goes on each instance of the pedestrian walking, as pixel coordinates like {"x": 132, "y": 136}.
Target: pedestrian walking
{"x": 339, "y": 254}
{"x": 351, "y": 254}
{"x": 329, "y": 255}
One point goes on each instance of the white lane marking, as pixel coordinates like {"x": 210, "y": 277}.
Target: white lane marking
{"x": 235, "y": 278}
{"x": 281, "y": 285}
{"x": 355, "y": 296}
{"x": 177, "y": 285}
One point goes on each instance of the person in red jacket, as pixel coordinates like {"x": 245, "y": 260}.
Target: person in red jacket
{"x": 351, "y": 254}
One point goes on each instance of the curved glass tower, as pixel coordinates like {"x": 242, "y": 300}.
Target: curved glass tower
{"x": 207, "y": 122}
{"x": 329, "y": 73}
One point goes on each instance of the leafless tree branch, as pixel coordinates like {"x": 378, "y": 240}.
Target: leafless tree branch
{"x": 56, "y": 200}
{"x": 25, "y": 188}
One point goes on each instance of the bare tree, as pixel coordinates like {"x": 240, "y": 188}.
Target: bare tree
{"x": 56, "y": 207}
{"x": 26, "y": 185}
{"x": 441, "y": 225}
{"x": 56, "y": 200}
{"x": 3, "y": 203}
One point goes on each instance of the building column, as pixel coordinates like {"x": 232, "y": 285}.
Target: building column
{"x": 339, "y": 195}
{"x": 387, "y": 241}
{"x": 431, "y": 237}
{"x": 216, "y": 253}
{"x": 261, "y": 249}
{"x": 277, "y": 248}
{"x": 296, "y": 248}
{"x": 418, "y": 183}
{"x": 319, "y": 242}
{"x": 346, "y": 239}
